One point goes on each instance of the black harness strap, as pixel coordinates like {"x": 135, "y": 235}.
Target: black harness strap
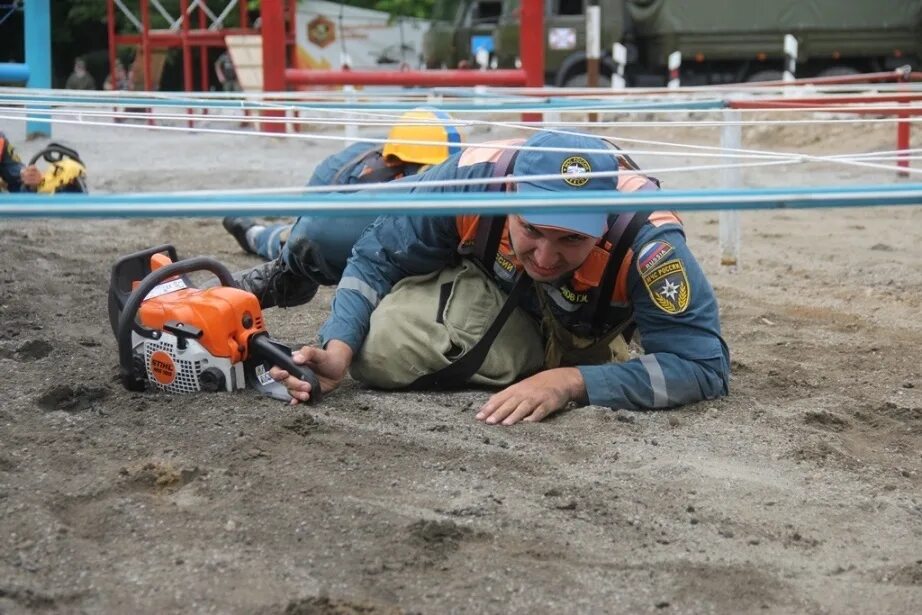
{"x": 486, "y": 241}
{"x": 621, "y": 236}
{"x": 460, "y": 371}
{"x": 490, "y": 228}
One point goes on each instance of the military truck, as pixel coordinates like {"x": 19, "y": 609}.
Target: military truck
{"x": 720, "y": 41}
{"x": 458, "y": 29}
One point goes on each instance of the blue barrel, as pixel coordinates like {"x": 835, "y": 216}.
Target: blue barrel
{"x": 10, "y": 72}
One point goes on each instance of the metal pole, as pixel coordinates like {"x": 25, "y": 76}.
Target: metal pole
{"x": 273, "y": 33}
{"x": 902, "y": 133}
{"x": 110, "y": 25}
{"x": 145, "y": 56}
{"x": 902, "y": 143}
{"x": 675, "y": 67}
{"x": 186, "y": 54}
{"x": 593, "y": 48}
{"x": 204, "y": 71}
{"x": 531, "y": 29}
{"x": 790, "y": 64}
{"x": 790, "y": 58}
{"x": 731, "y": 177}
{"x": 619, "y": 55}
{"x": 38, "y": 59}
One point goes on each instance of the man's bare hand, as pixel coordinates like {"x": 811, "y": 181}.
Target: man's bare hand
{"x": 534, "y": 398}
{"x": 330, "y": 366}
{"x": 31, "y": 177}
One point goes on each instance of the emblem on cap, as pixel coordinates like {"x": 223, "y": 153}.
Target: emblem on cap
{"x": 575, "y": 167}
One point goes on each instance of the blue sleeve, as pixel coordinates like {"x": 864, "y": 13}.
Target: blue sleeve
{"x": 677, "y": 319}
{"x": 326, "y": 171}
{"x": 390, "y": 249}
{"x": 10, "y": 166}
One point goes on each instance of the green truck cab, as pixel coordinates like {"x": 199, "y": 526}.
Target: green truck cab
{"x": 720, "y": 41}
{"x": 458, "y": 28}
{"x": 564, "y": 39}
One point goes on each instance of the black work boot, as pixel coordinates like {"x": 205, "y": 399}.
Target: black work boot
{"x": 238, "y": 227}
{"x": 276, "y": 285}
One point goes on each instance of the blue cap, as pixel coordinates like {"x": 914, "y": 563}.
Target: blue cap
{"x": 575, "y": 158}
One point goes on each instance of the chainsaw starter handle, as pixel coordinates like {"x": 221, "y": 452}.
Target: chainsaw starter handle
{"x": 126, "y": 321}
{"x": 263, "y": 347}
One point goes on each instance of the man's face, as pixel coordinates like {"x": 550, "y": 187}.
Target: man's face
{"x": 547, "y": 254}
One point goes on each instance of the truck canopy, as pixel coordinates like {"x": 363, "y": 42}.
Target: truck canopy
{"x": 825, "y": 27}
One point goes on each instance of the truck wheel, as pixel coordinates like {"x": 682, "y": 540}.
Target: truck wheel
{"x": 765, "y": 75}
{"x": 838, "y": 71}
{"x": 580, "y": 80}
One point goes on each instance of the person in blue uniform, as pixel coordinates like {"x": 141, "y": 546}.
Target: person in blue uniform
{"x": 590, "y": 278}
{"x": 422, "y": 138}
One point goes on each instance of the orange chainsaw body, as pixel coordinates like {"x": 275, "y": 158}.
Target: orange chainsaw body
{"x": 226, "y": 316}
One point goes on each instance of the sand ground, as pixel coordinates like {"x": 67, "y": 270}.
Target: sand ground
{"x": 798, "y": 493}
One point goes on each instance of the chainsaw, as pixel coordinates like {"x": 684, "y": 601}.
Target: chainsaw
{"x": 64, "y": 170}
{"x": 177, "y": 338}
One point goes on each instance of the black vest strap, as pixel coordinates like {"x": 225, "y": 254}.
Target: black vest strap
{"x": 621, "y": 235}
{"x": 460, "y": 371}
{"x": 490, "y": 228}
{"x": 486, "y": 241}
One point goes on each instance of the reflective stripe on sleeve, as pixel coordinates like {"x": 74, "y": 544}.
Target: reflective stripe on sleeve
{"x": 361, "y": 288}
{"x": 657, "y": 380}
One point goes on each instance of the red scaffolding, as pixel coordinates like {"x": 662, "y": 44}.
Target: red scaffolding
{"x": 278, "y": 32}
{"x": 199, "y": 26}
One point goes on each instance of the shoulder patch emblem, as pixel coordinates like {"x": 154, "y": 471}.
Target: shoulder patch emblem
{"x": 668, "y": 286}
{"x": 651, "y": 255}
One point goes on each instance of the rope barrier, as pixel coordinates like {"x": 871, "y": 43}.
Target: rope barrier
{"x": 133, "y": 206}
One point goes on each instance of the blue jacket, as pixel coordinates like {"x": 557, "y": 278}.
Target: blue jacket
{"x": 327, "y": 170}
{"x": 10, "y": 166}
{"x": 686, "y": 359}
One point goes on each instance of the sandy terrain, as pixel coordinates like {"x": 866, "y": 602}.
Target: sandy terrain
{"x": 799, "y": 493}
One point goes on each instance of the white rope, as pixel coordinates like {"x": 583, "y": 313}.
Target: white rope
{"x": 699, "y": 150}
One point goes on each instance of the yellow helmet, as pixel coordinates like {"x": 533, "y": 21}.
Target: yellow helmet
{"x": 422, "y": 125}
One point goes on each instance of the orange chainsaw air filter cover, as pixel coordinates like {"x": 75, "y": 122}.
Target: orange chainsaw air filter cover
{"x": 227, "y": 317}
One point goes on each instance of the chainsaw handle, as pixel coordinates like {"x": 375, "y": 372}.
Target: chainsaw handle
{"x": 126, "y": 321}
{"x": 265, "y": 348}
{"x": 55, "y": 152}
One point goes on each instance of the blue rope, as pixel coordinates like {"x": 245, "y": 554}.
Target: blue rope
{"x": 485, "y": 106}
{"x": 421, "y": 204}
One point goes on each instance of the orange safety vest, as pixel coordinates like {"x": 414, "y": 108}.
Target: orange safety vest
{"x": 585, "y": 287}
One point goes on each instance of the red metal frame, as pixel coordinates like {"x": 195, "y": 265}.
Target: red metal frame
{"x": 279, "y": 28}
{"x": 187, "y": 38}
{"x": 860, "y": 105}
{"x": 276, "y": 78}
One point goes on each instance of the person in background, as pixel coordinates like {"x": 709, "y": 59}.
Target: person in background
{"x": 80, "y": 79}
{"x": 122, "y": 81}
{"x": 227, "y": 75}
